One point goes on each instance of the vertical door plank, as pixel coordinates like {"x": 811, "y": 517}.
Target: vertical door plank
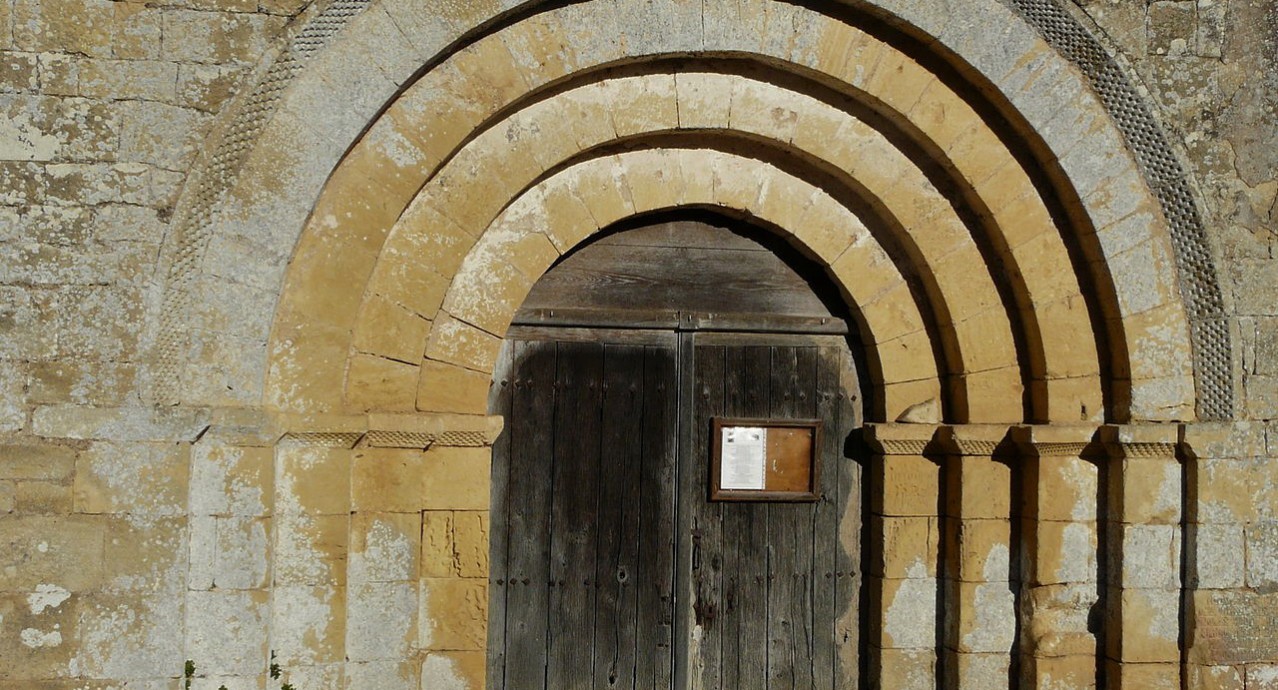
{"x": 500, "y": 394}
{"x": 704, "y": 606}
{"x": 574, "y": 508}
{"x": 655, "y": 574}
{"x": 619, "y": 491}
{"x": 789, "y": 525}
{"x": 848, "y": 554}
{"x": 532, "y": 415}
{"x": 825, "y": 519}
{"x": 746, "y": 538}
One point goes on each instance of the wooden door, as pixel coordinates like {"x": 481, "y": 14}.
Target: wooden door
{"x": 612, "y": 569}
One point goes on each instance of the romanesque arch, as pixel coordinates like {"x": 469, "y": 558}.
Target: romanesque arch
{"x": 1009, "y": 267}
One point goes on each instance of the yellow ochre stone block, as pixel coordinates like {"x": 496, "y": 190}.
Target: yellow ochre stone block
{"x": 450, "y": 388}
{"x": 455, "y": 613}
{"x": 391, "y": 331}
{"x": 909, "y": 486}
{"x": 458, "y": 342}
{"x": 381, "y": 384}
{"x": 442, "y": 478}
{"x": 908, "y": 548}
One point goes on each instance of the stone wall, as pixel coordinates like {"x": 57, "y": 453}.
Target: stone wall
{"x": 104, "y": 107}
{"x": 351, "y": 548}
{"x": 1211, "y": 66}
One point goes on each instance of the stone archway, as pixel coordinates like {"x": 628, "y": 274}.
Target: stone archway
{"x": 991, "y": 296}
{"x": 1101, "y": 160}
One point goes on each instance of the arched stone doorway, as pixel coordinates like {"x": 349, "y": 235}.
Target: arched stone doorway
{"x": 614, "y": 562}
{"x": 964, "y": 191}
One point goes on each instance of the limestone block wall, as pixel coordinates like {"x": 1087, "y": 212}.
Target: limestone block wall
{"x": 1211, "y": 66}
{"x": 104, "y": 107}
{"x": 350, "y": 549}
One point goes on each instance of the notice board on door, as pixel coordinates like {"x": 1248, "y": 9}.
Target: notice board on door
{"x": 764, "y": 459}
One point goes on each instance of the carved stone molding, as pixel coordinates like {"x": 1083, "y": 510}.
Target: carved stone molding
{"x": 900, "y": 439}
{"x": 1137, "y": 441}
{"x": 420, "y": 431}
{"x": 1054, "y": 440}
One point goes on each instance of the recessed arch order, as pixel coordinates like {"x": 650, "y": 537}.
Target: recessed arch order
{"x": 1009, "y": 294}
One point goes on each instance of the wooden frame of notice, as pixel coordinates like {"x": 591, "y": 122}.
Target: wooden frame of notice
{"x": 765, "y": 459}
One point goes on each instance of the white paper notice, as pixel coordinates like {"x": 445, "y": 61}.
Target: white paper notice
{"x": 743, "y": 458}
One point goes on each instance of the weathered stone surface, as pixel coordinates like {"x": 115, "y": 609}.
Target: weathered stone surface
{"x": 138, "y": 479}
{"x": 1215, "y": 677}
{"x": 1262, "y": 555}
{"x": 226, "y": 630}
{"x": 64, "y": 26}
{"x": 48, "y": 129}
{"x": 81, "y": 383}
{"x": 151, "y": 80}
{"x": 241, "y": 553}
{"x": 146, "y": 555}
{"x": 107, "y": 117}
{"x": 206, "y": 87}
{"x": 309, "y": 627}
{"x": 228, "y": 480}
{"x": 382, "y": 675}
{"x": 41, "y": 631}
{"x": 215, "y": 37}
{"x": 1233, "y": 627}
{"x": 161, "y": 135}
{"x": 381, "y": 620}
{"x": 119, "y": 423}
{"x": 1215, "y": 563}
{"x": 46, "y": 461}
{"x": 17, "y": 73}
{"x": 385, "y": 547}
{"x": 311, "y": 549}
{"x": 1172, "y": 27}
{"x": 64, "y": 550}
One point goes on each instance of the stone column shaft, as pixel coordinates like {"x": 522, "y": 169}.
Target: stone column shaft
{"x": 1146, "y": 496}
{"x": 1059, "y": 526}
{"x": 904, "y": 556}
{"x": 980, "y": 588}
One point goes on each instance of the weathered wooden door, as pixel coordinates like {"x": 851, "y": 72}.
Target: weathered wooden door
{"x": 611, "y": 568}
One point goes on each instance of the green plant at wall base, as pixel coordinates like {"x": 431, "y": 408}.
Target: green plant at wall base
{"x": 188, "y": 672}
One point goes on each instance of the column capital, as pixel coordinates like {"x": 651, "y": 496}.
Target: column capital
{"x": 1054, "y": 439}
{"x": 1125, "y": 441}
{"x": 900, "y": 439}
{"x": 974, "y": 440}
